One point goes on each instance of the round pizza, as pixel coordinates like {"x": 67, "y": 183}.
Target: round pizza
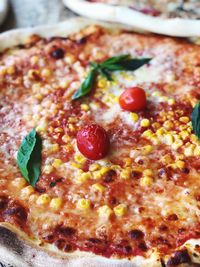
{"x": 169, "y": 17}
{"x": 99, "y": 148}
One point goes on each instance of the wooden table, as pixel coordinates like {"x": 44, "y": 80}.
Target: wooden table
{"x": 28, "y": 13}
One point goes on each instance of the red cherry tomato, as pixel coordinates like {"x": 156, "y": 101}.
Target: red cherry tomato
{"x": 93, "y": 142}
{"x": 133, "y": 99}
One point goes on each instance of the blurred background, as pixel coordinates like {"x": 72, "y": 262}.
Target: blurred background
{"x": 26, "y": 13}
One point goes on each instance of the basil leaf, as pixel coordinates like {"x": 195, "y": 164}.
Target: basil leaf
{"x": 105, "y": 73}
{"x": 127, "y": 64}
{"x": 86, "y": 86}
{"x": 29, "y": 157}
{"x": 196, "y": 120}
{"x": 115, "y": 60}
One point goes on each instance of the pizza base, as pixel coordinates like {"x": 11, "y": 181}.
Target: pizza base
{"x": 18, "y": 249}
{"x": 172, "y": 27}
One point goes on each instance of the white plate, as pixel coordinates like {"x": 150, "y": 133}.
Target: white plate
{"x": 3, "y": 9}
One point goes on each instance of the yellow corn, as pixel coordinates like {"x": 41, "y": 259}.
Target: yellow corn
{"x": 85, "y": 107}
{"x": 94, "y": 167}
{"x": 125, "y": 174}
{"x": 98, "y": 188}
{"x": 148, "y": 172}
{"x": 80, "y": 158}
{"x": 120, "y": 210}
{"x": 83, "y": 204}
{"x": 44, "y": 199}
{"x": 105, "y": 211}
{"x": 146, "y": 181}
{"x": 134, "y": 116}
{"x": 147, "y": 149}
{"x": 56, "y": 203}
{"x": 27, "y": 191}
{"x": 19, "y": 182}
{"x": 184, "y": 119}
{"x": 147, "y": 134}
{"x": 83, "y": 177}
{"x": 145, "y": 123}
{"x": 57, "y": 163}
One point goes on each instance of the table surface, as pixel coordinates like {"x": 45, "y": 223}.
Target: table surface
{"x": 28, "y": 13}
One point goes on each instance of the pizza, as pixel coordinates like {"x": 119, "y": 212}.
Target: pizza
{"x": 169, "y": 17}
{"x": 167, "y": 8}
{"x": 99, "y": 156}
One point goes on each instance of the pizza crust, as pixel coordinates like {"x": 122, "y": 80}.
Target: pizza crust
{"x": 172, "y": 27}
{"x": 16, "y": 248}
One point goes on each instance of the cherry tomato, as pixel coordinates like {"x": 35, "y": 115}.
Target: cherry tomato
{"x": 93, "y": 142}
{"x": 133, "y": 99}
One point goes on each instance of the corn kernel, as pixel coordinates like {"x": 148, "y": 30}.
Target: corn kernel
{"x": 10, "y": 70}
{"x": 193, "y": 138}
{"x": 102, "y": 83}
{"x": 146, "y": 181}
{"x": 125, "y": 174}
{"x": 171, "y": 101}
{"x": 56, "y": 203}
{"x": 48, "y": 169}
{"x": 66, "y": 138}
{"x": 197, "y": 151}
{"x": 85, "y": 107}
{"x": 168, "y": 125}
{"x": 71, "y": 127}
{"x": 166, "y": 159}
{"x": 120, "y": 210}
{"x": 160, "y": 132}
{"x": 98, "y": 188}
{"x": 27, "y": 191}
{"x": 46, "y": 73}
{"x": 184, "y": 119}
{"x": 76, "y": 165}
{"x": 83, "y": 204}
{"x": 156, "y": 125}
{"x": 42, "y": 127}
{"x": 189, "y": 151}
{"x": 80, "y": 159}
{"x": 147, "y": 134}
{"x": 146, "y": 150}
{"x": 19, "y": 182}
{"x": 94, "y": 167}
{"x": 184, "y": 135}
{"x": 96, "y": 175}
{"x": 105, "y": 211}
{"x": 44, "y": 199}
{"x": 57, "y": 163}
{"x": 32, "y": 74}
{"x": 156, "y": 93}
{"x": 134, "y": 116}
{"x": 180, "y": 164}
{"x": 145, "y": 123}
{"x": 128, "y": 162}
{"x": 177, "y": 144}
{"x": 34, "y": 60}
{"x": 148, "y": 172}
{"x": 58, "y": 130}
{"x": 83, "y": 177}
{"x": 155, "y": 140}
{"x": 104, "y": 170}
{"x": 168, "y": 139}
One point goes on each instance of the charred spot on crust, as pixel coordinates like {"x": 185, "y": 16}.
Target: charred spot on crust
{"x": 94, "y": 240}
{"x": 57, "y": 53}
{"x": 15, "y": 210}
{"x": 136, "y": 175}
{"x": 179, "y": 257}
{"x": 82, "y": 40}
{"x": 68, "y": 247}
{"x": 3, "y": 202}
{"x": 143, "y": 247}
{"x": 110, "y": 176}
{"x": 65, "y": 231}
{"x": 10, "y": 240}
{"x": 136, "y": 234}
{"x": 172, "y": 217}
{"x": 60, "y": 243}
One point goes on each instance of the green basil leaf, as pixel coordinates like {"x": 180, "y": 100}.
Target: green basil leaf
{"x": 105, "y": 73}
{"x": 128, "y": 64}
{"x": 29, "y": 157}
{"x": 196, "y": 120}
{"x": 86, "y": 86}
{"x": 115, "y": 60}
